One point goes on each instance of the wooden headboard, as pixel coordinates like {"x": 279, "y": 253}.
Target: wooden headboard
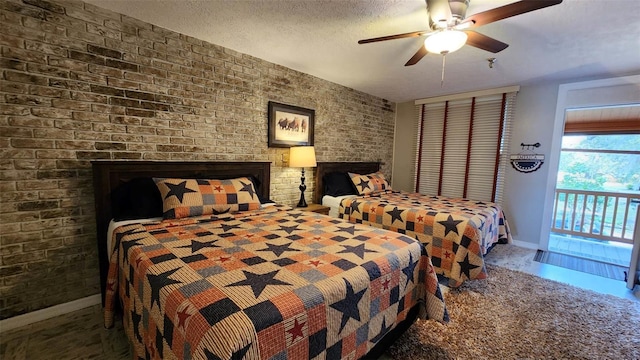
{"x": 109, "y": 175}
{"x": 329, "y": 167}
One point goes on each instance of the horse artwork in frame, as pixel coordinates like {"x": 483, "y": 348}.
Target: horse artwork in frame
{"x": 290, "y": 125}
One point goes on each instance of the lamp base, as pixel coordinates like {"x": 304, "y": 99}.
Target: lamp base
{"x": 302, "y": 203}
{"x": 303, "y": 187}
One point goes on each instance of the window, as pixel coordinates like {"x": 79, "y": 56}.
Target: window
{"x": 600, "y": 162}
{"x": 462, "y": 146}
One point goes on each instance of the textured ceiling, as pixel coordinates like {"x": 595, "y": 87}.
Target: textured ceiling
{"x": 576, "y": 39}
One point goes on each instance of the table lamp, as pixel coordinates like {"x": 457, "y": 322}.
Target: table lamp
{"x": 302, "y": 156}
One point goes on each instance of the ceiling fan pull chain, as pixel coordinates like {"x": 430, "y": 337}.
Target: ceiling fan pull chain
{"x": 443, "y": 63}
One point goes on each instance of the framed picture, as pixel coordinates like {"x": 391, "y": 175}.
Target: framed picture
{"x": 290, "y": 125}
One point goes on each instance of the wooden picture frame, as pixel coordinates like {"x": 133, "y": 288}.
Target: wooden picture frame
{"x": 290, "y": 125}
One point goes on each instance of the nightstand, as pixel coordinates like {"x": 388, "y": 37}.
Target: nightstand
{"x": 316, "y": 208}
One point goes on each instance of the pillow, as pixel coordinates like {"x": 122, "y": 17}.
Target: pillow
{"x": 338, "y": 184}
{"x": 256, "y": 185}
{"x": 371, "y": 183}
{"x": 138, "y": 198}
{"x": 194, "y": 197}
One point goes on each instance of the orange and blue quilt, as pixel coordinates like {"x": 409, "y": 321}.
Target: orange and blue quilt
{"x": 456, "y": 232}
{"x": 274, "y": 283}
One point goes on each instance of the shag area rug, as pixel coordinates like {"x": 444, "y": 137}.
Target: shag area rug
{"x": 514, "y": 315}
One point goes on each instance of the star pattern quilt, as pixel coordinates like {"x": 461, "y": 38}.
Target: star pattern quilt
{"x": 274, "y": 283}
{"x": 457, "y": 232}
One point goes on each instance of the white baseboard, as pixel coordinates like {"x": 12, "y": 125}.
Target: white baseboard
{"x": 525, "y": 244}
{"x": 48, "y": 313}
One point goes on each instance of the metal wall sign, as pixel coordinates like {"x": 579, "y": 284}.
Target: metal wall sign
{"x": 527, "y": 161}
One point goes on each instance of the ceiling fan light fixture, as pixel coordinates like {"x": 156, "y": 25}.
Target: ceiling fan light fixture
{"x": 445, "y": 41}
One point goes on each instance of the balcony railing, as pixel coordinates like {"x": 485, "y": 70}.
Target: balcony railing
{"x": 595, "y": 214}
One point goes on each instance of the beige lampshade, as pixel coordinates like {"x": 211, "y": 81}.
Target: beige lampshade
{"x": 302, "y": 156}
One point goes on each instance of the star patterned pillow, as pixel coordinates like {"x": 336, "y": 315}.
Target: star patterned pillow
{"x": 193, "y": 197}
{"x": 369, "y": 184}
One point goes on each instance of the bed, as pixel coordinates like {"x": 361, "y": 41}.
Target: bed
{"x": 261, "y": 282}
{"x": 457, "y": 233}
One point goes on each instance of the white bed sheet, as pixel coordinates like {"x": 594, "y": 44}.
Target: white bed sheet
{"x": 333, "y": 202}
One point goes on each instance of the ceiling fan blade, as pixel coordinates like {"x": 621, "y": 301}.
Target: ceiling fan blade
{"x": 484, "y": 42}
{"x": 417, "y": 56}
{"x": 439, "y": 11}
{"x": 507, "y": 11}
{"x": 393, "y": 37}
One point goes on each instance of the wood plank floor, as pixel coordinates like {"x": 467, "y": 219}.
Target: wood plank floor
{"x": 607, "y": 270}
{"x": 77, "y": 335}
{"x": 603, "y": 251}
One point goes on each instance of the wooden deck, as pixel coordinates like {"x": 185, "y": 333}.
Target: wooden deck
{"x": 610, "y": 252}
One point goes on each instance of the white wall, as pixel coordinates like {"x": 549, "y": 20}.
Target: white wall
{"x": 404, "y": 148}
{"x": 524, "y": 192}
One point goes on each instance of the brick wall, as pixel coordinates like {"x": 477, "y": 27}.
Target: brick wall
{"x": 80, "y": 83}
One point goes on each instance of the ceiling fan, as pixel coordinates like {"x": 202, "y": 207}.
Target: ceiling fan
{"x": 450, "y": 29}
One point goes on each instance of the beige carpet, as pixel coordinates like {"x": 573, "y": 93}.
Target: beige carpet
{"x": 513, "y": 315}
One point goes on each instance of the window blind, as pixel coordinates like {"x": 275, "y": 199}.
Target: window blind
{"x": 463, "y": 146}
{"x": 417, "y": 129}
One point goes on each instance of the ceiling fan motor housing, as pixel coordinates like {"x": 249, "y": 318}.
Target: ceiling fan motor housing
{"x": 458, "y": 10}
{"x": 445, "y": 14}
